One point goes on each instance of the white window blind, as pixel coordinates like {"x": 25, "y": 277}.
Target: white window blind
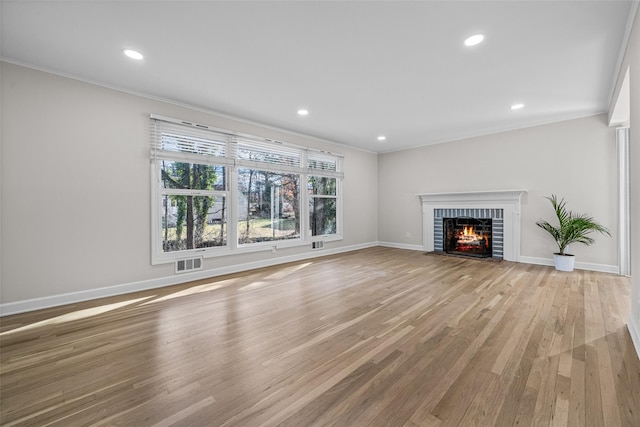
{"x": 324, "y": 164}
{"x": 188, "y": 141}
{"x": 176, "y": 139}
{"x": 268, "y": 155}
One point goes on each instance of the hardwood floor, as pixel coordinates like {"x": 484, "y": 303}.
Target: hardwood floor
{"x": 380, "y": 337}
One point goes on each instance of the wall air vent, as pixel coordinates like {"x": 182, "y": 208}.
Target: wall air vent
{"x": 317, "y": 245}
{"x": 188, "y": 264}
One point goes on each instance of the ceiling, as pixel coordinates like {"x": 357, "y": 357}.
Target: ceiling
{"x": 362, "y": 69}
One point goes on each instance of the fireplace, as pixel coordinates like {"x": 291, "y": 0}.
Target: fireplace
{"x": 468, "y": 236}
{"x": 471, "y": 232}
{"x": 502, "y": 207}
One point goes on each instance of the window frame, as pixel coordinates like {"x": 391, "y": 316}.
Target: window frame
{"x": 310, "y": 162}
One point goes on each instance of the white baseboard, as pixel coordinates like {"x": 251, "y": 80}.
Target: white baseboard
{"x": 401, "y": 246}
{"x": 634, "y": 331}
{"x": 604, "y": 268}
{"x": 143, "y": 285}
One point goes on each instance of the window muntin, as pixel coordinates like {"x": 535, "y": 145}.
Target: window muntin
{"x": 268, "y": 206}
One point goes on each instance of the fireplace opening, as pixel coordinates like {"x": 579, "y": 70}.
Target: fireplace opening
{"x": 468, "y": 236}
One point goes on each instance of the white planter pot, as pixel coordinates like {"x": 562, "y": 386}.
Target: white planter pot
{"x": 564, "y": 262}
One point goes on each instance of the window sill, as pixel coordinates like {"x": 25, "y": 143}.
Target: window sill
{"x": 243, "y": 249}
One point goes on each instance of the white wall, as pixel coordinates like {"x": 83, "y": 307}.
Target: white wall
{"x": 574, "y": 159}
{"x": 631, "y": 61}
{"x": 76, "y": 189}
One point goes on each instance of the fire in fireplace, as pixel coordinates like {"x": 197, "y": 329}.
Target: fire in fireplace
{"x": 468, "y": 236}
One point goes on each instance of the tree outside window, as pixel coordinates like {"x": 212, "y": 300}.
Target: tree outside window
{"x": 192, "y": 221}
{"x": 322, "y": 205}
{"x": 268, "y": 206}
{"x": 215, "y": 192}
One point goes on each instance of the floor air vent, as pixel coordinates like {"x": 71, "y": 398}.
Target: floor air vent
{"x": 317, "y": 245}
{"x": 189, "y": 264}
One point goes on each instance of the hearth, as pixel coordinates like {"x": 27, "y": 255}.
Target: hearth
{"x": 468, "y": 236}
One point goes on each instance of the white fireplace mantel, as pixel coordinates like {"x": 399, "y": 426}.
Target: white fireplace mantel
{"x": 507, "y": 200}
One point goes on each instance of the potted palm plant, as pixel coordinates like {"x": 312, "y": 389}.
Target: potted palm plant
{"x": 572, "y": 228}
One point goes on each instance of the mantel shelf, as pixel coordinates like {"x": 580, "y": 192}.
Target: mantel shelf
{"x": 473, "y": 196}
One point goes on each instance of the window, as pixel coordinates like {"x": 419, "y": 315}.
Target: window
{"x": 322, "y": 205}
{"x": 268, "y": 206}
{"x": 216, "y": 192}
{"x": 324, "y": 194}
{"x": 193, "y": 208}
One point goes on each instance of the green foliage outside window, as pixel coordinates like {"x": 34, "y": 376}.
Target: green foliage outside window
{"x": 187, "y": 218}
{"x": 322, "y": 205}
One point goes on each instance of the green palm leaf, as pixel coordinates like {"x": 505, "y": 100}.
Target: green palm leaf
{"x": 572, "y": 228}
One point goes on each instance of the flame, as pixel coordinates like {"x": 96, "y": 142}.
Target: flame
{"x": 468, "y": 235}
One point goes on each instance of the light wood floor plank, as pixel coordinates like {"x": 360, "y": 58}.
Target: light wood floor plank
{"x": 376, "y": 337}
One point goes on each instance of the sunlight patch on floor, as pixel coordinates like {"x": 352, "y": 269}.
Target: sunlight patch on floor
{"x": 254, "y": 285}
{"x": 207, "y": 287}
{"x": 289, "y": 270}
{"x": 76, "y": 315}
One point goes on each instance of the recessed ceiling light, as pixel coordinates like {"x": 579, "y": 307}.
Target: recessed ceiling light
{"x": 133, "y": 54}
{"x": 517, "y": 106}
{"x": 474, "y": 40}
{"x": 303, "y": 112}
{"x": 382, "y": 138}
